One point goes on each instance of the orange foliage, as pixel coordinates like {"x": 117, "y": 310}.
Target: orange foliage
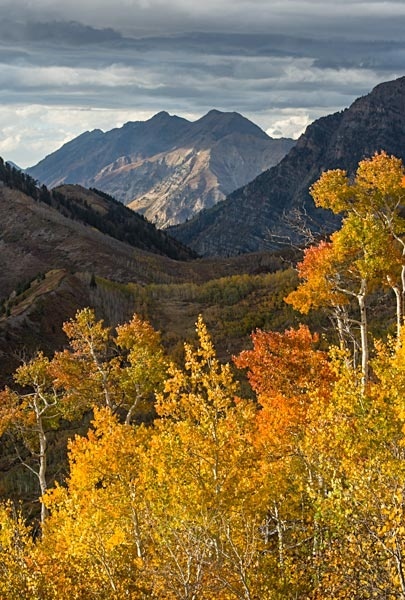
{"x": 318, "y": 272}
{"x": 286, "y": 371}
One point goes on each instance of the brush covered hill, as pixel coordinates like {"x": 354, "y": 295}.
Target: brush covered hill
{"x": 263, "y": 212}
{"x": 59, "y": 254}
{"x": 166, "y": 168}
{"x": 71, "y": 226}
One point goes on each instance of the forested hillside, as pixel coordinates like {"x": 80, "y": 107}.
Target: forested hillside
{"x": 98, "y": 210}
{"x": 187, "y": 485}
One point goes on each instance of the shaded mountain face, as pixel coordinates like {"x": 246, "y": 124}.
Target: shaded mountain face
{"x": 166, "y": 168}
{"x": 258, "y": 215}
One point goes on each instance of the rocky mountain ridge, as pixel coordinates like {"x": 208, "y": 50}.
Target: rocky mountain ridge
{"x": 166, "y": 168}
{"x": 258, "y": 216}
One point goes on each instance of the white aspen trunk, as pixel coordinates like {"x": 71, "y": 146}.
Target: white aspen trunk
{"x": 137, "y": 529}
{"x": 345, "y": 335}
{"x": 104, "y": 378}
{"x": 400, "y": 570}
{"x": 400, "y": 291}
{"x": 399, "y": 301}
{"x": 280, "y": 536}
{"x": 363, "y": 335}
{"x": 340, "y": 329}
{"x": 133, "y": 407}
{"x": 42, "y": 466}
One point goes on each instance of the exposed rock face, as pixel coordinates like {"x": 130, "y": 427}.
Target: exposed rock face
{"x": 250, "y": 218}
{"x": 167, "y": 168}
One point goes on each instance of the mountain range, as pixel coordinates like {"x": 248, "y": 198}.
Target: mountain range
{"x": 166, "y": 168}
{"x": 266, "y": 211}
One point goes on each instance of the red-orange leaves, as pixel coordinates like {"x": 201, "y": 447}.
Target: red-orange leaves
{"x": 318, "y": 273}
{"x": 284, "y": 363}
{"x": 286, "y": 371}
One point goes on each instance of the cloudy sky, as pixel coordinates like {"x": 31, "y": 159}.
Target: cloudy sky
{"x": 68, "y": 67}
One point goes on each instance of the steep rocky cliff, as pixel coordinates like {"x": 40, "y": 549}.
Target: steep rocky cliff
{"x": 258, "y": 214}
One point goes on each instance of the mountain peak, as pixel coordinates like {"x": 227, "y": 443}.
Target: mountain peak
{"x": 219, "y": 115}
{"x": 167, "y": 167}
{"x": 163, "y": 115}
{"x": 214, "y": 112}
{"x": 165, "y": 118}
{"x": 220, "y": 124}
{"x": 160, "y": 118}
{"x": 395, "y": 84}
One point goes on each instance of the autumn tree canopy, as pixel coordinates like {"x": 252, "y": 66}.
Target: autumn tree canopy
{"x": 182, "y": 488}
{"x": 365, "y": 254}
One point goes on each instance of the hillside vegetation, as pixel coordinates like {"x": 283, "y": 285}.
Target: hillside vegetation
{"x": 99, "y": 210}
{"x": 187, "y": 485}
{"x": 70, "y": 248}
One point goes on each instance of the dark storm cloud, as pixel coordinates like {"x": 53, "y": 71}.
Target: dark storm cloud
{"x": 294, "y": 16}
{"x": 191, "y": 65}
{"x": 55, "y": 32}
{"x": 284, "y": 62}
{"x": 45, "y": 44}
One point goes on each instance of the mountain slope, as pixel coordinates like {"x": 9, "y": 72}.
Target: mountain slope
{"x": 97, "y": 209}
{"x": 167, "y": 168}
{"x": 252, "y": 217}
{"x": 36, "y": 238}
{"x": 54, "y": 260}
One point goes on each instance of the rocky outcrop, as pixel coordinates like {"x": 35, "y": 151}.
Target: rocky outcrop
{"x": 259, "y": 215}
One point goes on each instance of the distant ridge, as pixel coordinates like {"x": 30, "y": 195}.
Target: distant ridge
{"x": 166, "y": 168}
{"x": 253, "y": 217}
{"x": 14, "y": 165}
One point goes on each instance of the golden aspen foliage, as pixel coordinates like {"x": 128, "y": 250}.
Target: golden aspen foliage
{"x": 143, "y": 369}
{"x": 19, "y": 573}
{"x": 366, "y": 253}
{"x": 297, "y": 493}
{"x": 121, "y": 372}
{"x": 289, "y": 374}
{"x": 207, "y": 500}
{"x": 29, "y": 414}
{"x": 95, "y": 536}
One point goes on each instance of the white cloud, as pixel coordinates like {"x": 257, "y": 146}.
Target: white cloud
{"x": 29, "y": 133}
{"x": 289, "y": 124}
{"x": 69, "y": 77}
